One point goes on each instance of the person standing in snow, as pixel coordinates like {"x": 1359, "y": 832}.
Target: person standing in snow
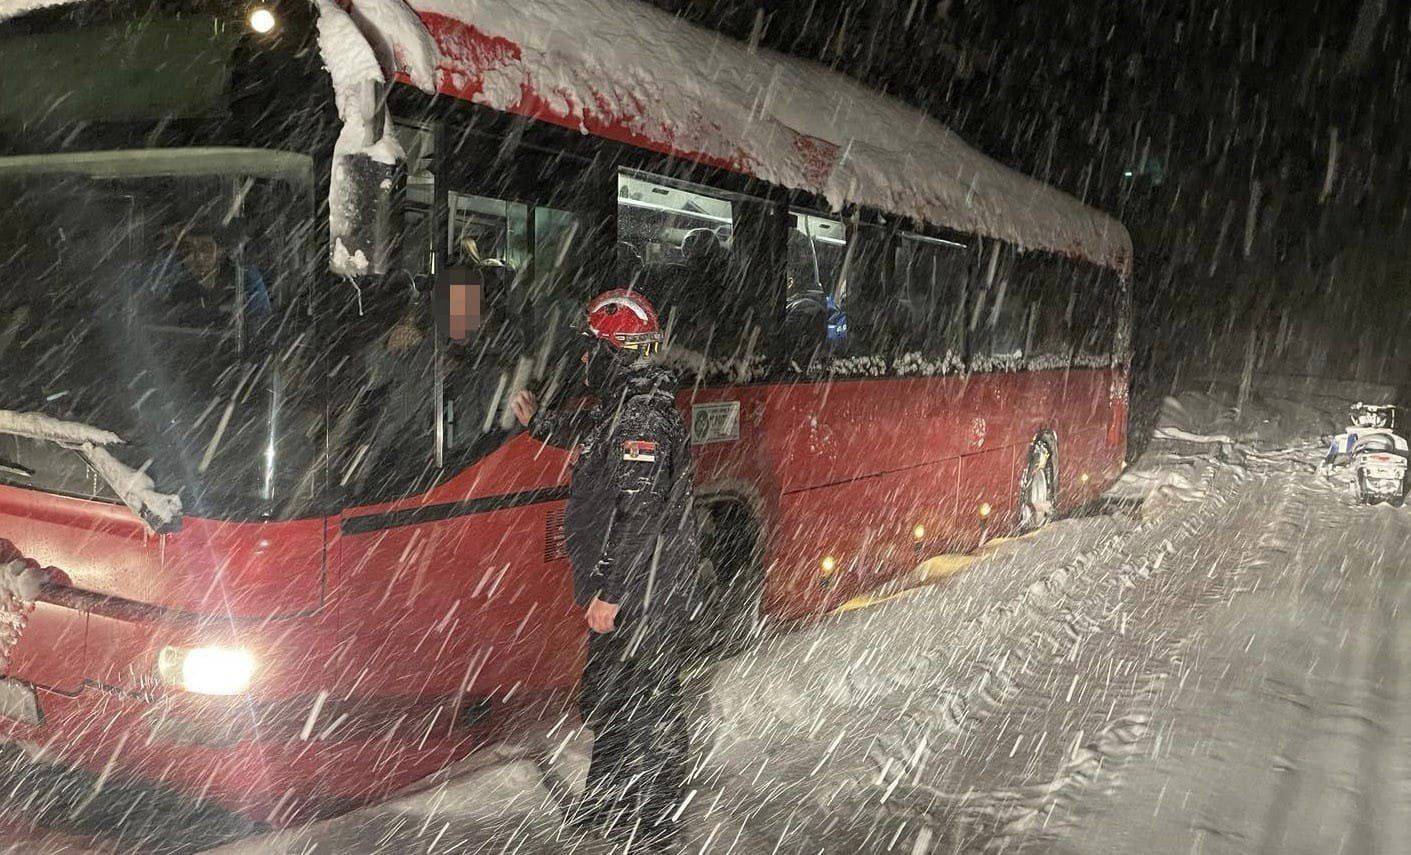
{"x": 631, "y": 539}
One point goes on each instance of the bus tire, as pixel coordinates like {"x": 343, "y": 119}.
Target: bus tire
{"x": 1038, "y": 483}
{"x": 732, "y": 572}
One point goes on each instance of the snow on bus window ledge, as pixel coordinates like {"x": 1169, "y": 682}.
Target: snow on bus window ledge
{"x": 756, "y": 368}
{"x": 739, "y": 369}
{"x": 916, "y": 364}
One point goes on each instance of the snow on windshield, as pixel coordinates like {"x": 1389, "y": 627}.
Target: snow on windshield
{"x": 133, "y": 486}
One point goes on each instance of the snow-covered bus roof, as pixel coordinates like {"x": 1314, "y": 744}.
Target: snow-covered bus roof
{"x": 628, "y": 71}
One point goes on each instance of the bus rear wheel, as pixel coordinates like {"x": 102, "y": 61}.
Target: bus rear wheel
{"x": 732, "y": 572}
{"x": 1038, "y": 484}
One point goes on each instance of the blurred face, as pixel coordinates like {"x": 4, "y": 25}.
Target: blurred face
{"x": 465, "y": 311}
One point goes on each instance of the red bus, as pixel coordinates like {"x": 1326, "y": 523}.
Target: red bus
{"x": 269, "y": 537}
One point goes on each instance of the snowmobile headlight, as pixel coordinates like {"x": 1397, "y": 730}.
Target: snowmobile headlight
{"x": 919, "y": 531}
{"x": 210, "y": 670}
{"x": 985, "y": 509}
{"x": 829, "y": 564}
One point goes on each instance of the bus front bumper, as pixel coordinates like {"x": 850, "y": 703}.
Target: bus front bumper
{"x": 275, "y": 763}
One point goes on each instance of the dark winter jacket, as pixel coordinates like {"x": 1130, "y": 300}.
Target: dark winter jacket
{"x": 629, "y": 527}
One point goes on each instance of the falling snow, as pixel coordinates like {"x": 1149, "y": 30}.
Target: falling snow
{"x": 262, "y": 519}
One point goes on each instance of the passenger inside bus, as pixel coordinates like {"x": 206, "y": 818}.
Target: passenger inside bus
{"x": 676, "y": 247}
{"x": 814, "y": 325}
{"x": 197, "y": 280}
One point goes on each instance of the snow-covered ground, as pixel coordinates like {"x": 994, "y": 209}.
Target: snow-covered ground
{"x": 1218, "y": 659}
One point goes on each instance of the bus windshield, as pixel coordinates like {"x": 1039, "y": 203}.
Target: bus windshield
{"x": 157, "y": 294}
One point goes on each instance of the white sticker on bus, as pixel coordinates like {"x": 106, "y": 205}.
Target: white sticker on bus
{"x": 718, "y": 421}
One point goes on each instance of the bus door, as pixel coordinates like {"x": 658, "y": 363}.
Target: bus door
{"x": 455, "y": 587}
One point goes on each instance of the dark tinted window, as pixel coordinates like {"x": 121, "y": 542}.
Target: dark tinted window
{"x": 998, "y": 310}
{"x": 928, "y": 316}
{"x": 1096, "y": 300}
{"x": 689, "y": 249}
{"x": 1044, "y": 282}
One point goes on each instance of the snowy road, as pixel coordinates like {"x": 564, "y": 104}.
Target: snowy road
{"x": 1222, "y": 667}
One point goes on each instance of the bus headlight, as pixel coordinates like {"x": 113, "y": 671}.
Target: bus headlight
{"x": 213, "y": 670}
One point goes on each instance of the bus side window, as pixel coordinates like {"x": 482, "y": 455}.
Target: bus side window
{"x": 679, "y": 245}
{"x": 813, "y": 322}
{"x": 866, "y": 298}
{"x": 381, "y": 357}
{"x": 1046, "y": 282}
{"x": 492, "y": 235}
{"x": 998, "y": 309}
{"x": 541, "y": 259}
{"x": 416, "y": 246}
{"x": 930, "y": 282}
{"x": 1096, "y": 294}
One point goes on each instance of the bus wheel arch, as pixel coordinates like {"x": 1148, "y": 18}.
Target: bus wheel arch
{"x": 1038, "y": 482}
{"x": 733, "y": 571}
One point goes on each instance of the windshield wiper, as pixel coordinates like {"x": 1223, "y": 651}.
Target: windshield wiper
{"x": 10, "y": 467}
{"x": 160, "y": 511}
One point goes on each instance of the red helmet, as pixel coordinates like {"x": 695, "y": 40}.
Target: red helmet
{"x": 625, "y": 320}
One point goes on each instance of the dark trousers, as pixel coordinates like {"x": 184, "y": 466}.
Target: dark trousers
{"x": 632, "y": 701}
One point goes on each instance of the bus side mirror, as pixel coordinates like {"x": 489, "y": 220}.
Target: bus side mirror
{"x": 460, "y": 301}
{"x": 362, "y": 214}
{"x": 367, "y": 181}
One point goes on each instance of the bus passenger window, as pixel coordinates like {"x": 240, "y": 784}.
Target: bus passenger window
{"x": 491, "y": 235}
{"x": 866, "y": 299}
{"x": 419, "y": 142}
{"x": 813, "y": 322}
{"x": 1096, "y": 295}
{"x": 1046, "y": 283}
{"x": 999, "y": 310}
{"x": 383, "y": 427}
{"x": 677, "y": 244}
{"x": 928, "y": 317}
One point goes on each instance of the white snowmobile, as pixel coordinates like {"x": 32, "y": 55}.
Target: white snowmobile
{"x": 1374, "y": 452}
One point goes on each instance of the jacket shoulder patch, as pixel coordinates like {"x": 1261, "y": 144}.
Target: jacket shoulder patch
{"x": 639, "y": 450}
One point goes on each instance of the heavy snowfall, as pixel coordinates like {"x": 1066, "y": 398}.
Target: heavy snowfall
{"x": 1212, "y": 659}
{"x": 1212, "y": 656}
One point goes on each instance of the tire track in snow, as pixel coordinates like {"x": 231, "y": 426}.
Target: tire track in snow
{"x": 1344, "y": 752}
{"x": 902, "y": 725}
{"x": 998, "y": 818}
